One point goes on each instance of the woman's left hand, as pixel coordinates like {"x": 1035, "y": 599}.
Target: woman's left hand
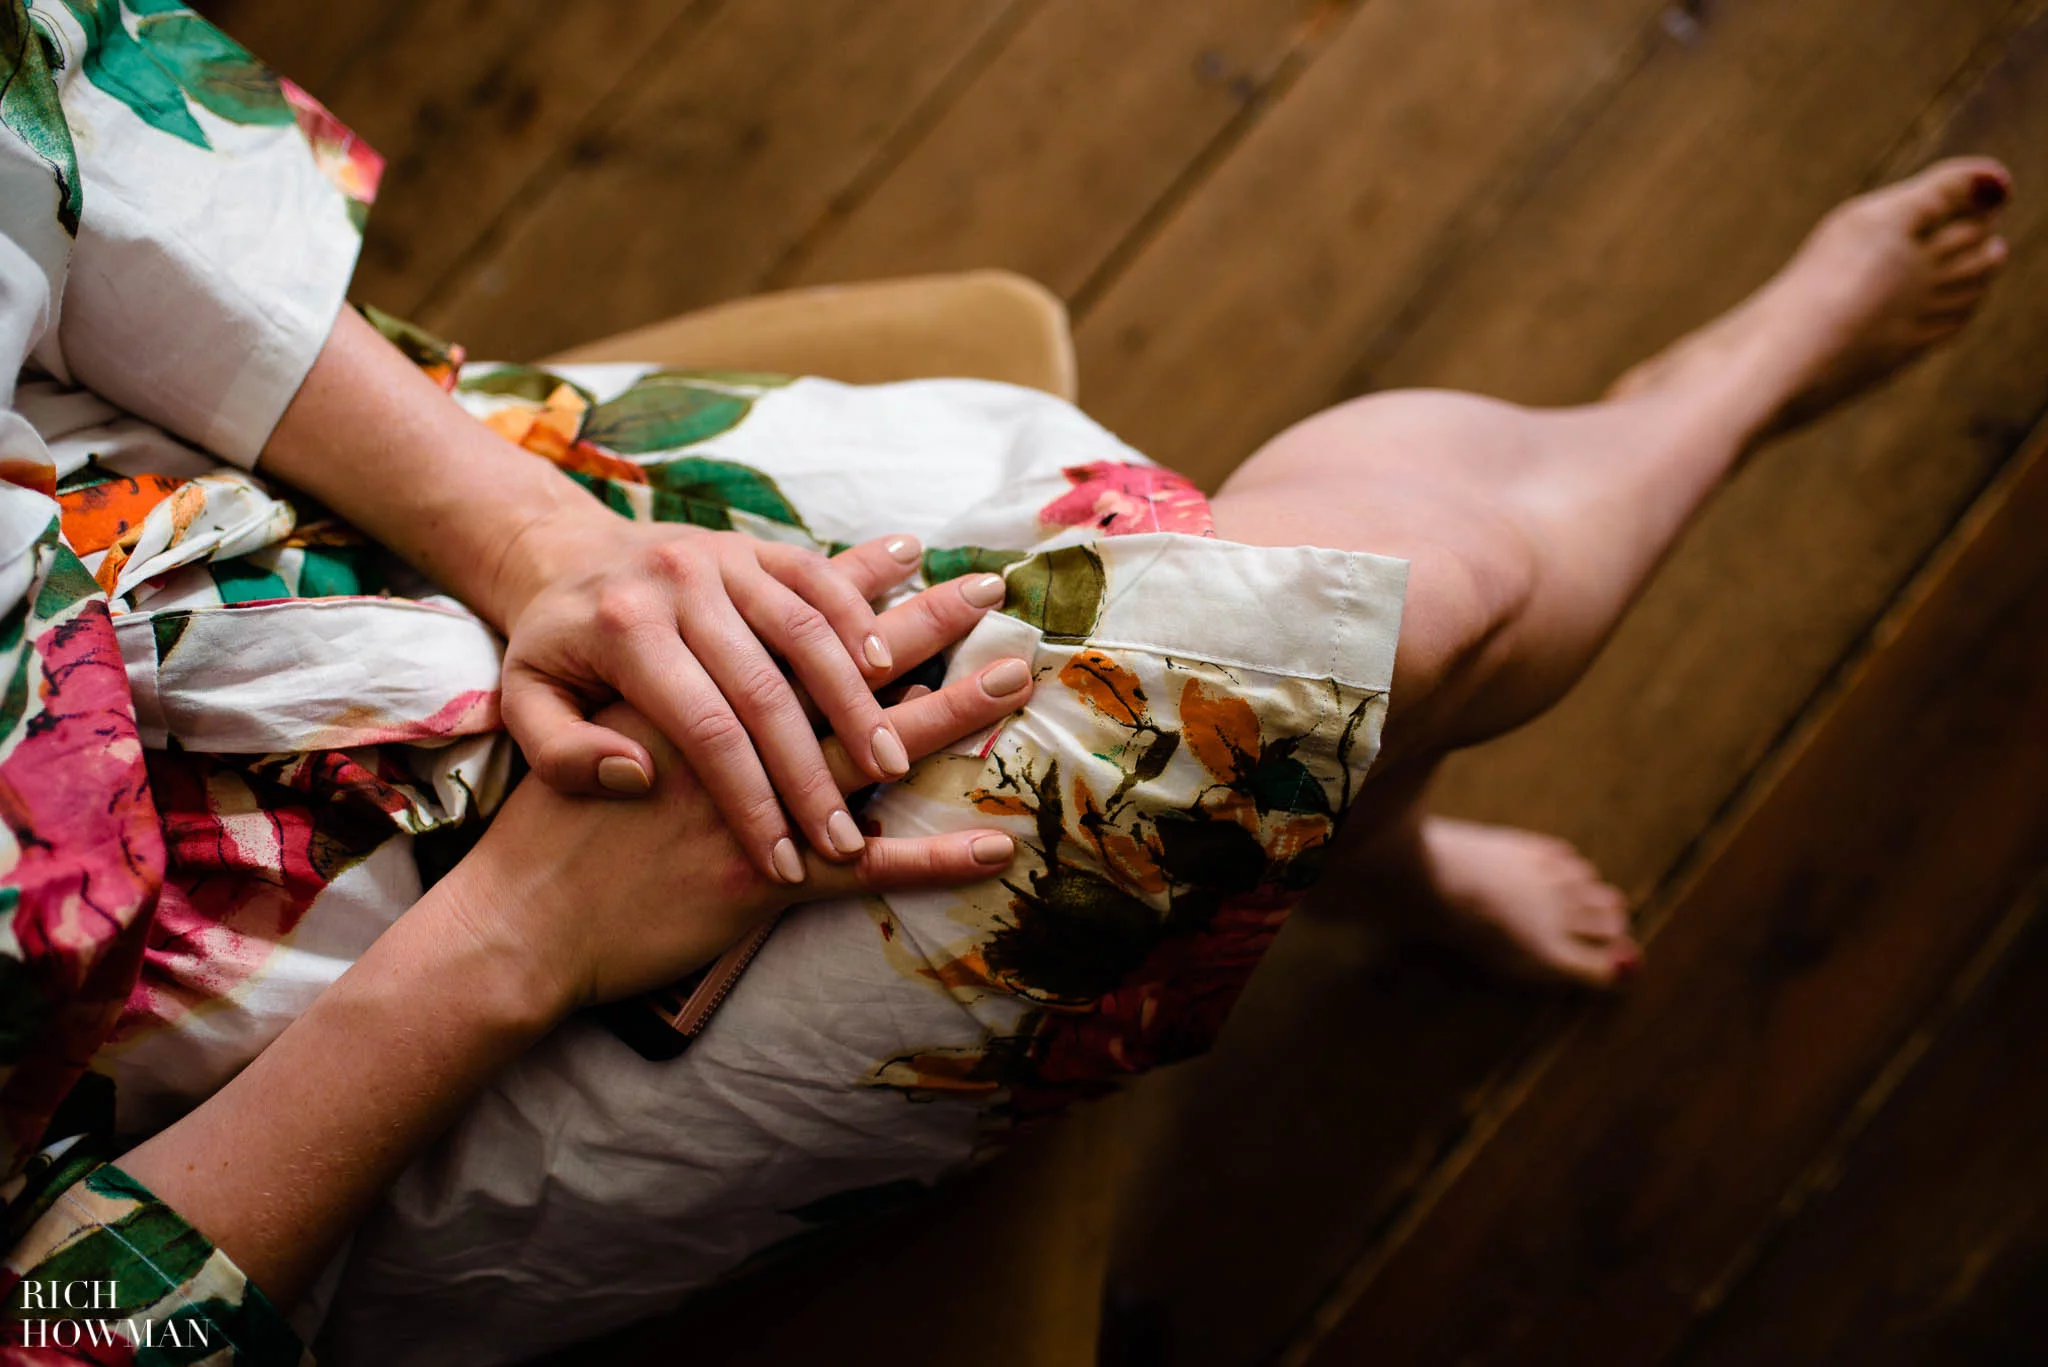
{"x": 688, "y": 625}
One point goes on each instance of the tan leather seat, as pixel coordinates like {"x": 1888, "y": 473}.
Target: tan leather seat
{"x": 992, "y": 325}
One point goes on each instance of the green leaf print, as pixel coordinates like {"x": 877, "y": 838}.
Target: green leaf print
{"x": 1283, "y": 783}
{"x": 67, "y": 582}
{"x": 663, "y": 412}
{"x": 149, "y": 1250}
{"x": 521, "y": 382}
{"x": 29, "y": 105}
{"x": 421, "y": 347}
{"x": 950, "y": 562}
{"x": 168, "y": 628}
{"x": 1059, "y": 592}
{"x": 215, "y": 70}
{"x": 700, "y": 490}
{"x": 15, "y": 649}
{"x": 174, "y": 54}
{"x": 120, "y": 66}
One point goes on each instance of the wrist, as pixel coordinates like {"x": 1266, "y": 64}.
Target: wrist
{"x": 467, "y": 933}
{"x": 527, "y": 558}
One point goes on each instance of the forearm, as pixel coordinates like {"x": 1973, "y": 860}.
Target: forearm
{"x": 373, "y": 438}
{"x": 281, "y": 1163}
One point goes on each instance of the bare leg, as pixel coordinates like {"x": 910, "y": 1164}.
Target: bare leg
{"x": 1530, "y": 531}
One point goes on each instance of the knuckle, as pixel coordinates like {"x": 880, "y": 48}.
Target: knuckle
{"x": 760, "y": 813}
{"x": 712, "y": 730}
{"x": 804, "y": 625}
{"x": 674, "y": 562}
{"x": 619, "y": 610}
{"x": 815, "y": 785}
{"x": 938, "y": 612}
{"x": 761, "y": 685}
{"x": 800, "y": 562}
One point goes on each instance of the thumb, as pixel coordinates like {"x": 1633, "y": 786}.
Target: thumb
{"x": 571, "y": 753}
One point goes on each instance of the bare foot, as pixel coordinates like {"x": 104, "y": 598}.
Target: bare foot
{"x": 1528, "y": 905}
{"x": 1882, "y": 278}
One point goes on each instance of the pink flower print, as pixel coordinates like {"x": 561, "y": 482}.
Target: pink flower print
{"x": 1120, "y": 498}
{"x": 351, "y": 165}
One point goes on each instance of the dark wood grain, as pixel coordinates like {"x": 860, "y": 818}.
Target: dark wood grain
{"x": 1095, "y": 112}
{"x": 1244, "y": 310}
{"x": 697, "y": 180}
{"x": 1926, "y": 1239}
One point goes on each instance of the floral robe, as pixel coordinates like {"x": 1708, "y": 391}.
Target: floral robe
{"x": 237, "y": 733}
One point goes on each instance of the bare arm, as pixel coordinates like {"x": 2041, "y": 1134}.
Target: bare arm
{"x": 683, "y": 623}
{"x": 566, "y": 901}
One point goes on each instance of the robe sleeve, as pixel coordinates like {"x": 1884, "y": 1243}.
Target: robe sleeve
{"x": 108, "y": 1265}
{"x": 220, "y": 212}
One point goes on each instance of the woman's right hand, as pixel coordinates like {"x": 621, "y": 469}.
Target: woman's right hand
{"x": 598, "y": 899}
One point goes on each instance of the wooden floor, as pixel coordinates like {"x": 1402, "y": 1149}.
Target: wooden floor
{"x": 1817, "y": 752}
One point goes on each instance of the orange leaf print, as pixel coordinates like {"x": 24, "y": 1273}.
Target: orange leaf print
{"x": 936, "y": 1070}
{"x": 1221, "y": 729}
{"x": 1107, "y": 687}
{"x": 102, "y": 514}
{"x": 969, "y": 970}
{"x": 1000, "y": 804}
{"x": 1296, "y": 836}
{"x": 1131, "y": 861}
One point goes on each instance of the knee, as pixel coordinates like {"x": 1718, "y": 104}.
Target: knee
{"x": 1410, "y": 436}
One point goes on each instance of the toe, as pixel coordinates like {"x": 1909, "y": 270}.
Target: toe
{"x": 1603, "y": 965}
{"x": 1598, "y": 920}
{"x": 1977, "y": 264}
{"x": 1957, "y": 236}
{"x": 1952, "y": 188}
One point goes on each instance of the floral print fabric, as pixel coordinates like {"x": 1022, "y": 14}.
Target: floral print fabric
{"x": 176, "y": 230}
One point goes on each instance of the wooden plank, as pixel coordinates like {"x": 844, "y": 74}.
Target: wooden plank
{"x": 1790, "y": 567}
{"x": 1094, "y": 112}
{"x": 726, "y": 151}
{"x": 474, "y": 106}
{"x": 1928, "y": 1240}
{"x": 311, "y": 45}
{"x": 1245, "y": 310}
{"x": 1794, "y": 965}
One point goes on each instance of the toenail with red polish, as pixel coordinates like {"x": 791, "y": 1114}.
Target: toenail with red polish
{"x": 1988, "y": 192}
{"x": 1627, "y": 966}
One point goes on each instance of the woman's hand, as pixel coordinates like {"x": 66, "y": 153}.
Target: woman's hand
{"x": 681, "y": 622}
{"x": 599, "y": 900}
{"x": 687, "y": 626}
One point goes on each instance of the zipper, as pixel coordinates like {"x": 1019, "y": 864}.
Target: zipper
{"x": 718, "y": 981}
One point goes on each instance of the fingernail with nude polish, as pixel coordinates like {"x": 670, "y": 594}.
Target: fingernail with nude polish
{"x": 846, "y": 837}
{"x": 876, "y": 651}
{"x": 992, "y": 849}
{"x": 890, "y": 756}
{"x": 789, "y": 865}
{"x": 904, "y": 549}
{"x": 1005, "y": 677}
{"x": 622, "y": 775}
{"x": 983, "y": 590}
